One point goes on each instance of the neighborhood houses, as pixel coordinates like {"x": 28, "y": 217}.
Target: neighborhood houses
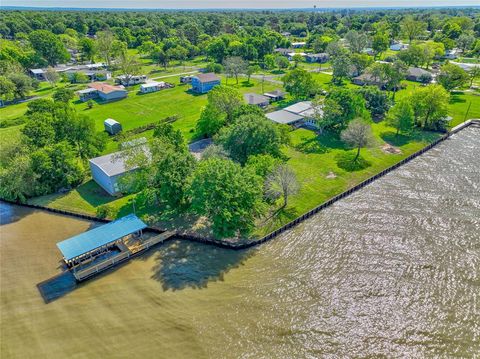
{"x": 92, "y": 72}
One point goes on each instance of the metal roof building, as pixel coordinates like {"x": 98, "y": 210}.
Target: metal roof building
{"x": 284, "y": 117}
{"x": 99, "y": 237}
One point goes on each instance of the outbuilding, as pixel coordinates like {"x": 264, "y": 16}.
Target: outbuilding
{"x": 111, "y": 126}
{"x": 320, "y": 57}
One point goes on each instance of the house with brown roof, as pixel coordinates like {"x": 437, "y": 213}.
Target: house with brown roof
{"x": 102, "y": 91}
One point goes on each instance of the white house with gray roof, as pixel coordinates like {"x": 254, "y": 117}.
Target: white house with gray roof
{"x": 107, "y": 170}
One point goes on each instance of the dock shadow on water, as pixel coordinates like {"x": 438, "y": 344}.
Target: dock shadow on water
{"x": 57, "y": 287}
{"x": 184, "y": 264}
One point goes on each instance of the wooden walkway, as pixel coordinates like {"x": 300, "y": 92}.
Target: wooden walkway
{"x": 123, "y": 256}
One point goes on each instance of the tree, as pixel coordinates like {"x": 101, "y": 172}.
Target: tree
{"x": 165, "y": 133}
{"x": 320, "y": 43}
{"x": 473, "y": 74}
{"x": 48, "y": 46}
{"x": 63, "y": 95}
{"x": 269, "y": 62}
{"x": 341, "y": 68}
{"x": 78, "y": 78}
{"x": 380, "y": 43}
{"x": 251, "y": 135}
{"x": 225, "y": 100}
{"x": 159, "y": 56}
{"x": 172, "y": 175}
{"x": 23, "y": 84}
{"x": 217, "y": 50}
{"x": 359, "y": 61}
{"x": 211, "y": 121}
{"x": 357, "y": 41}
{"x": 52, "y": 76}
{"x": 214, "y": 67}
{"x": 376, "y": 100}
{"x": 55, "y": 167}
{"x": 430, "y": 105}
{"x": 251, "y": 70}
{"x": 452, "y": 76}
{"x": 393, "y": 75}
{"x": 262, "y": 165}
{"x": 282, "y": 62}
{"x": 300, "y": 83}
{"x": 297, "y": 58}
{"x": 234, "y": 66}
{"x": 105, "y": 41}
{"x": 412, "y": 28}
{"x": 357, "y": 134}
{"x": 282, "y": 182}
{"x": 465, "y": 41}
{"x": 401, "y": 116}
{"x": 340, "y": 107}
{"x": 88, "y": 48}
{"x": 7, "y": 89}
{"x": 227, "y": 194}
{"x": 129, "y": 66}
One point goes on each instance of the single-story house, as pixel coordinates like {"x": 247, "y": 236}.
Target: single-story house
{"x": 398, "y": 46}
{"x": 107, "y": 170}
{"x": 94, "y": 72}
{"x": 130, "y": 80}
{"x": 417, "y": 74}
{"x": 297, "y": 45}
{"x": 368, "y": 51}
{"x": 451, "y": 54}
{"x": 38, "y": 74}
{"x": 290, "y": 55}
{"x": 321, "y": 57}
{"x": 111, "y": 126}
{"x": 285, "y": 118}
{"x": 256, "y": 99}
{"x": 286, "y": 34}
{"x": 203, "y": 83}
{"x": 368, "y": 79}
{"x": 275, "y": 95}
{"x": 306, "y": 110}
{"x": 87, "y": 94}
{"x": 103, "y": 91}
{"x": 152, "y": 86}
{"x": 466, "y": 66}
{"x": 298, "y": 114}
{"x": 283, "y": 51}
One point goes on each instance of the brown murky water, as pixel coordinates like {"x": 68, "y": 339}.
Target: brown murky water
{"x": 391, "y": 271}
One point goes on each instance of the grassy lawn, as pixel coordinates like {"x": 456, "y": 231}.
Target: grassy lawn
{"x": 318, "y": 163}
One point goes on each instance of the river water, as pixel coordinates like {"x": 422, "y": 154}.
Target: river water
{"x": 391, "y": 271}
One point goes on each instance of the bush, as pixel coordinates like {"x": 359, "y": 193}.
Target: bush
{"x": 90, "y": 104}
{"x": 105, "y": 211}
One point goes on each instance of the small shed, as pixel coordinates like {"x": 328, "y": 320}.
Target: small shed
{"x": 111, "y": 126}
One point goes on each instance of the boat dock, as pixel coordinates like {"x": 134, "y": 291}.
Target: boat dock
{"x": 104, "y": 247}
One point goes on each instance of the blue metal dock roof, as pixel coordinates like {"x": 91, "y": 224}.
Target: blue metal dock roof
{"x": 100, "y": 236}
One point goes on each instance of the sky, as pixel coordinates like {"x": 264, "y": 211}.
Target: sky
{"x": 206, "y": 4}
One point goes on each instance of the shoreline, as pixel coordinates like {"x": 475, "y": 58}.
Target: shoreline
{"x": 254, "y": 242}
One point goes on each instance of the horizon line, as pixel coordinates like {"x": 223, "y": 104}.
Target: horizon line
{"x": 15, "y": 7}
